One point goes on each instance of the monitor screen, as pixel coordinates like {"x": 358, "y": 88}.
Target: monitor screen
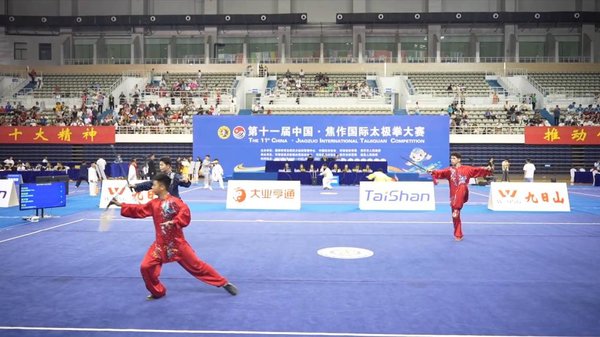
{"x": 48, "y": 195}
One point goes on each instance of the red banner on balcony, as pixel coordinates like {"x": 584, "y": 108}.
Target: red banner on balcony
{"x": 562, "y": 135}
{"x": 57, "y": 134}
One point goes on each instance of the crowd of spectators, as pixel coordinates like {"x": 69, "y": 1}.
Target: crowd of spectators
{"x": 61, "y": 115}
{"x": 9, "y": 164}
{"x": 577, "y": 115}
{"x": 296, "y": 84}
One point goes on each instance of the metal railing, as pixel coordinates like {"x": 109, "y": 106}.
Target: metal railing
{"x": 503, "y": 129}
{"x": 302, "y": 59}
{"x": 384, "y": 59}
{"x": 279, "y": 94}
{"x": 144, "y": 129}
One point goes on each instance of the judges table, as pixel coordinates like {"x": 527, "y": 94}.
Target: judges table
{"x": 277, "y": 165}
{"x": 115, "y": 170}
{"x": 29, "y": 176}
{"x": 306, "y": 178}
{"x": 583, "y": 177}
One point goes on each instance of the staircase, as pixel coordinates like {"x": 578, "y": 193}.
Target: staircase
{"x": 496, "y": 86}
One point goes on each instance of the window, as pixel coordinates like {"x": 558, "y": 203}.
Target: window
{"x": 45, "y": 52}
{"x": 20, "y": 50}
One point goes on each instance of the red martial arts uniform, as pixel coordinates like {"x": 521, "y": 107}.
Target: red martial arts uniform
{"x": 458, "y": 179}
{"x": 170, "y": 244}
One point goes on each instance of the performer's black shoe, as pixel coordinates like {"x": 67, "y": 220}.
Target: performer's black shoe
{"x": 231, "y": 289}
{"x": 112, "y": 201}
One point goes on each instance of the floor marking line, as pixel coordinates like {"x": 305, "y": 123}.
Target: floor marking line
{"x": 586, "y": 194}
{"x": 41, "y": 230}
{"x": 244, "y": 332}
{"x": 376, "y": 221}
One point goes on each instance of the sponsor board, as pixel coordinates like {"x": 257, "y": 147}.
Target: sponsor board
{"x": 119, "y": 189}
{"x": 537, "y": 197}
{"x": 263, "y": 194}
{"x": 8, "y": 193}
{"x": 398, "y": 196}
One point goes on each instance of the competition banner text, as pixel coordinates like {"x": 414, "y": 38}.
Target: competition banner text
{"x": 244, "y": 143}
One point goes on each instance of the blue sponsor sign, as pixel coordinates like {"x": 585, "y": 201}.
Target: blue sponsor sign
{"x": 244, "y": 143}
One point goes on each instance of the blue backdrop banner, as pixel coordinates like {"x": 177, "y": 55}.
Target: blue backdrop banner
{"x": 244, "y": 143}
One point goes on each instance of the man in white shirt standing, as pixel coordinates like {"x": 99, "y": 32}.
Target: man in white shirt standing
{"x": 205, "y": 170}
{"x": 132, "y": 172}
{"x": 217, "y": 173}
{"x": 100, "y": 167}
{"x": 93, "y": 179}
{"x": 529, "y": 171}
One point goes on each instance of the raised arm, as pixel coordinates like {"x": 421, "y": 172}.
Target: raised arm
{"x": 441, "y": 174}
{"x": 143, "y": 186}
{"x": 476, "y": 172}
{"x": 136, "y": 211}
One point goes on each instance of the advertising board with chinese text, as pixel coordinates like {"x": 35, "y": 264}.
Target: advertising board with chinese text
{"x": 57, "y": 134}
{"x": 120, "y": 190}
{"x": 537, "y": 197}
{"x": 263, "y": 194}
{"x": 562, "y": 135}
{"x": 244, "y": 143}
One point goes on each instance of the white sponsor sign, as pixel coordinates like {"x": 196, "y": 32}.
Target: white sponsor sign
{"x": 263, "y": 194}
{"x": 399, "y": 196}
{"x": 8, "y": 193}
{"x": 538, "y": 197}
{"x": 119, "y": 189}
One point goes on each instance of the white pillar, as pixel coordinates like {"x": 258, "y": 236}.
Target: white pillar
{"x": 477, "y": 50}
{"x": 244, "y": 52}
{"x": 399, "y": 53}
{"x": 322, "y": 53}
{"x": 556, "y": 49}
{"x": 169, "y": 54}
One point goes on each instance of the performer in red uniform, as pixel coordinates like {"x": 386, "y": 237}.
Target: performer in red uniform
{"x": 170, "y": 215}
{"x": 458, "y": 176}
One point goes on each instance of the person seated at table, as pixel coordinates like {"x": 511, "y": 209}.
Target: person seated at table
{"x": 379, "y": 176}
{"x": 311, "y": 168}
{"x": 356, "y": 168}
{"x": 300, "y": 169}
{"x": 286, "y": 168}
{"x": 367, "y": 169}
{"x": 59, "y": 167}
{"x": 335, "y": 168}
{"x": 310, "y": 158}
{"x": 346, "y": 169}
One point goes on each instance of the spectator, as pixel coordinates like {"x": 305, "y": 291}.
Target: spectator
{"x": 529, "y": 170}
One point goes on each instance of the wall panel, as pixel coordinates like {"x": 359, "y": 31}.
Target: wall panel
{"x": 545, "y": 5}
{"x": 471, "y": 5}
{"x": 247, "y": 7}
{"x": 33, "y": 7}
{"x": 321, "y": 11}
{"x": 408, "y": 6}
{"x": 175, "y": 7}
{"x": 106, "y": 7}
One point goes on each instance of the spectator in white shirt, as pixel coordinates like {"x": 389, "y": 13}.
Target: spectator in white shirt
{"x": 529, "y": 171}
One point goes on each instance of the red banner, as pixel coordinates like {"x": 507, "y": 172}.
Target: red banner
{"x": 562, "y": 135}
{"x": 57, "y": 134}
